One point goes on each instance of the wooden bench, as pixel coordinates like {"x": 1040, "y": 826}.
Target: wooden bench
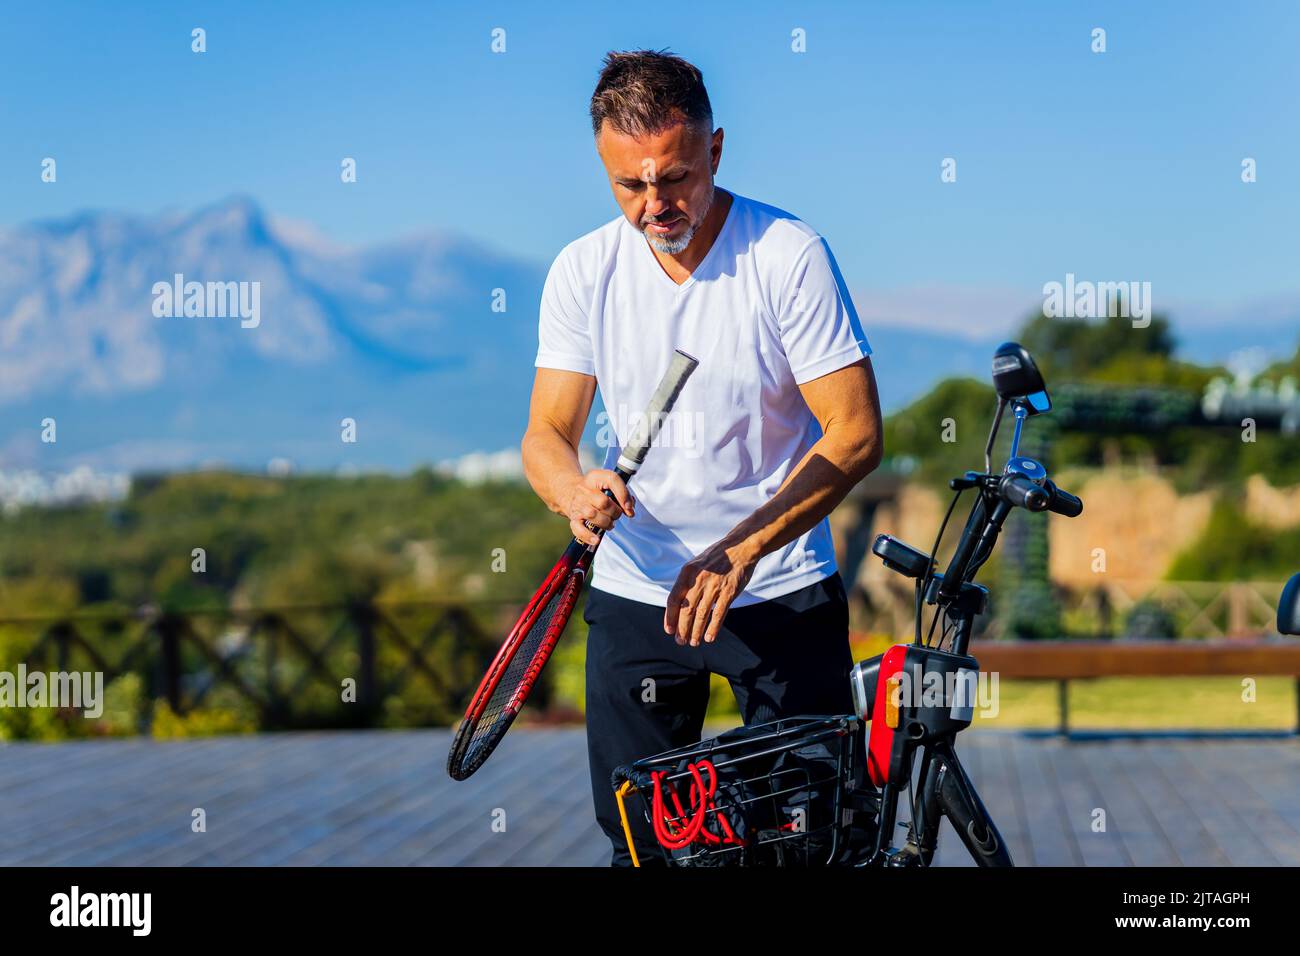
{"x": 1066, "y": 660}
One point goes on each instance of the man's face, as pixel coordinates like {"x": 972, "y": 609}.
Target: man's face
{"x": 663, "y": 182}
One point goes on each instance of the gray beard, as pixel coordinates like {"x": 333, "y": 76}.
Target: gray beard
{"x": 671, "y": 247}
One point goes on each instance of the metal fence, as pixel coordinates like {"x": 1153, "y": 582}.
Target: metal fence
{"x": 416, "y": 663}
{"x": 357, "y": 665}
{"x": 1191, "y": 610}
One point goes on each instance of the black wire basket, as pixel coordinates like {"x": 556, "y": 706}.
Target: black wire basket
{"x": 789, "y": 792}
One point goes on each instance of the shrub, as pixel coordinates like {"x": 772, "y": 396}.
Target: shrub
{"x": 1149, "y": 620}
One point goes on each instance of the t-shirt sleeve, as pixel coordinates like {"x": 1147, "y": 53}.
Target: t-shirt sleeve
{"x": 563, "y": 339}
{"x": 820, "y": 330}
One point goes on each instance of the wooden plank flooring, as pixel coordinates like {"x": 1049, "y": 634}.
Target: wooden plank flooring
{"x": 383, "y": 798}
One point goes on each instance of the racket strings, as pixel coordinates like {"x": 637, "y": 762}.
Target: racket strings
{"x": 524, "y": 665}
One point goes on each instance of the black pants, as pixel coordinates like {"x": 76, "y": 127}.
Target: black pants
{"x": 646, "y": 693}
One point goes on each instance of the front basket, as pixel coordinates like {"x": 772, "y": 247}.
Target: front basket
{"x": 783, "y": 793}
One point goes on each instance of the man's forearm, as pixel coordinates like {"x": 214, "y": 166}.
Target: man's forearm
{"x": 826, "y": 474}
{"x": 550, "y": 464}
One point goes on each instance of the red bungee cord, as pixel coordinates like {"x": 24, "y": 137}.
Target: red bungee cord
{"x": 701, "y": 799}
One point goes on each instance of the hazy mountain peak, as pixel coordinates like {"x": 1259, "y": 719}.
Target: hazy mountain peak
{"x": 236, "y": 219}
{"x": 401, "y": 333}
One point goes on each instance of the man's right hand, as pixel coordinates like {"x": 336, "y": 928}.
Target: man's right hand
{"x": 587, "y": 506}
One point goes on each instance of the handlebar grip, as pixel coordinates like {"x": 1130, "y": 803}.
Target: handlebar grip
{"x": 1062, "y": 502}
{"x": 1023, "y": 493}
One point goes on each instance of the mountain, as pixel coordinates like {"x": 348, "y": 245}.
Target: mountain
{"x": 401, "y": 337}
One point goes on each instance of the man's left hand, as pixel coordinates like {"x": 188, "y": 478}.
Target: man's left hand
{"x": 705, "y": 588}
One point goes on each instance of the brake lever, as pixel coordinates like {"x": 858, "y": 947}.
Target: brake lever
{"x": 972, "y": 479}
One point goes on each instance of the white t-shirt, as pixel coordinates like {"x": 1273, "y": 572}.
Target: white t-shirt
{"x": 766, "y": 311}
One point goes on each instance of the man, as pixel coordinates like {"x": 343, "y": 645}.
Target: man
{"x": 722, "y": 561}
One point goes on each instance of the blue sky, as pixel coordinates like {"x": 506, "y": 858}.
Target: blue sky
{"x": 1115, "y": 166}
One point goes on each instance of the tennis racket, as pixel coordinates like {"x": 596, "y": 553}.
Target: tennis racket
{"x": 528, "y": 647}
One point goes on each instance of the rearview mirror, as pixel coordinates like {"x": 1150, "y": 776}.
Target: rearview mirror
{"x": 1288, "y": 608}
{"x": 1039, "y": 402}
{"x": 1016, "y": 377}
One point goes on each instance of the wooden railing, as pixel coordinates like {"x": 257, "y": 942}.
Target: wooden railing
{"x": 1064, "y": 661}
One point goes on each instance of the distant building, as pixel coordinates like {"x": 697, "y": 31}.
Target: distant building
{"x": 504, "y": 465}
{"x": 22, "y": 489}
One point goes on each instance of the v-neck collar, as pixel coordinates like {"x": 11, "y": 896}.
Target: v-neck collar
{"x": 708, "y": 256}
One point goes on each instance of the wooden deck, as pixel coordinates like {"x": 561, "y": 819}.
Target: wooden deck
{"x": 383, "y": 797}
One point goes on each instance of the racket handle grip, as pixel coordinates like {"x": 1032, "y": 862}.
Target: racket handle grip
{"x": 661, "y": 403}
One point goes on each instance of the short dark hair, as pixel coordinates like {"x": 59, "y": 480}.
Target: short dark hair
{"x": 647, "y": 91}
